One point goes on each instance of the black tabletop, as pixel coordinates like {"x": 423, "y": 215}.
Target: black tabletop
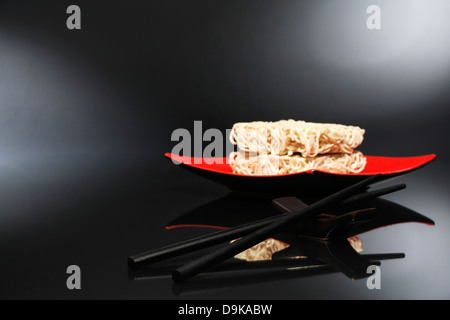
{"x": 87, "y": 114}
{"x": 96, "y": 213}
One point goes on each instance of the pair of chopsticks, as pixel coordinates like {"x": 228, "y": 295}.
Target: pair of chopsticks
{"x": 250, "y": 234}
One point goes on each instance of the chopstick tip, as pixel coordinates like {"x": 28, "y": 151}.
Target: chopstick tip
{"x": 131, "y": 262}
{"x": 177, "y": 276}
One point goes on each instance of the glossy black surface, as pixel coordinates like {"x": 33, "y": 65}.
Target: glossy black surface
{"x": 87, "y": 115}
{"x": 47, "y": 226}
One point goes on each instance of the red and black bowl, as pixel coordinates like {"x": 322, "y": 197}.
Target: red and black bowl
{"x": 307, "y": 184}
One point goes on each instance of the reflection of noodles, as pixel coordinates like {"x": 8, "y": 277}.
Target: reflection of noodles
{"x": 289, "y": 136}
{"x": 243, "y": 163}
{"x": 356, "y": 243}
{"x": 265, "y": 249}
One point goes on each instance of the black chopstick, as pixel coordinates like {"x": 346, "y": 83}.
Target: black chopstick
{"x": 198, "y": 265}
{"x": 197, "y": 243}
{"x": 173, "y": 250}
{"x": 373, "y": 194}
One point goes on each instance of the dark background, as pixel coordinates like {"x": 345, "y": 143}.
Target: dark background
{"x": 87, "y": 115}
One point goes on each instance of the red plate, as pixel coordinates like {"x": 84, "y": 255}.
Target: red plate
{"x": 312, "y": 183}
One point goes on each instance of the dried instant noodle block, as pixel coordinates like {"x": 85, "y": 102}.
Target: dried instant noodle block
{"x": 288, "y": 137}
{"x": 266, "y": 164}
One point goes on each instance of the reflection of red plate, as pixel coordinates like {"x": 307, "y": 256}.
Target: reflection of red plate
{"x": 308, "y": 183}
{"x": 232, "y": 210}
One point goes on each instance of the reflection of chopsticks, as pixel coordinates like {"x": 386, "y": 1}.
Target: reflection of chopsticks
{"x": 234, "y": 266}
{"x": 235, "y": 273}
{"x": 252, "y": 233}
{"x": 234, "y": 277}
{"x": 261, "y": 233}
{"x": 222, "y": 236}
